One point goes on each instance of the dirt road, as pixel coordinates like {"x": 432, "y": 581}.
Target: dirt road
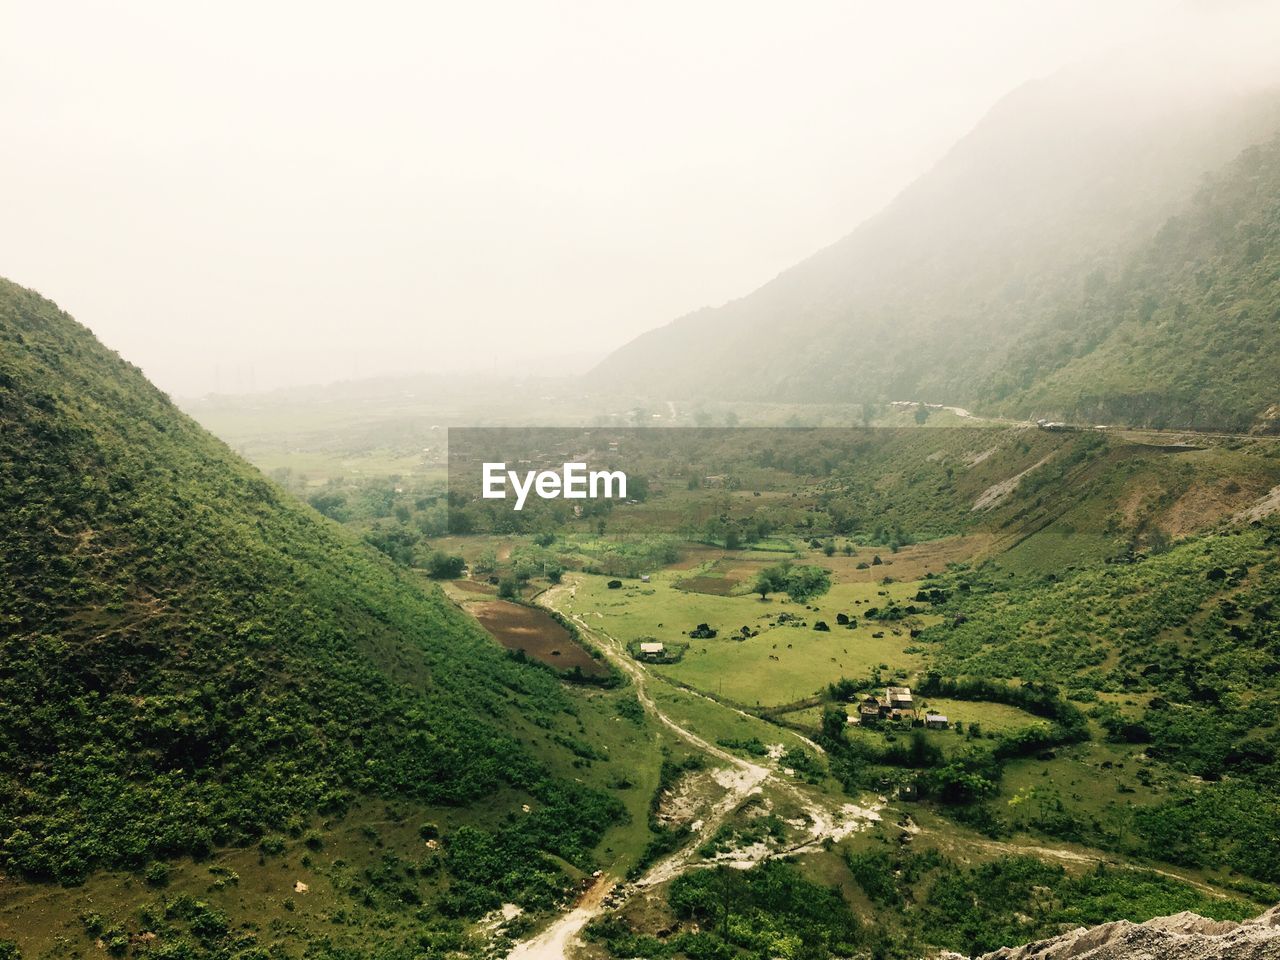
{"x": 739, "y": 778}
{"x": 553, "y": 942}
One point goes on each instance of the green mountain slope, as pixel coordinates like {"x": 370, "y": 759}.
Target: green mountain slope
{"x": 1177, "y": 652}
{"x": 191, "y": 660}
{"x": 942, "y": 295}
{"x": 1188, "y": 333}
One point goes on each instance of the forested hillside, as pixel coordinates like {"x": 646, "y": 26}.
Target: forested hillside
{"x": 190, "y": 660}
{"x": 1187, "y": 334}
{"x": 1026, "y": 245}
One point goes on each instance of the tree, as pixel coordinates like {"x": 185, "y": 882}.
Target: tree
{"x": 332, "y": 504}
{"x": 770, "y": 580}
{"x": 445, "y": 566}
{"x": 487, "y": 562}
{"x": 805, "y": 582}
{"x": 525, "y": 569}
{"x": 834, "y": 722}
{"x": 763, "y": 585}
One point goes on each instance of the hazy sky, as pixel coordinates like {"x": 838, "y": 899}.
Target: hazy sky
{"x": 240, "y": 195}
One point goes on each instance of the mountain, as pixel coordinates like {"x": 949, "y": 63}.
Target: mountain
{"x": 947, "y": 294}
{"x": 1187, "y": 334}
{"x": 192, "y": 660}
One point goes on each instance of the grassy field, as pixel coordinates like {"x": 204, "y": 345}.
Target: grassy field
{"x": 780, "y": 664}
{"x": 993, "y": 717}
{"x": 716, "y": 722}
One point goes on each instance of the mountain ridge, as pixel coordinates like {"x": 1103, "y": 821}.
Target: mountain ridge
{"x": 926, "y": 299}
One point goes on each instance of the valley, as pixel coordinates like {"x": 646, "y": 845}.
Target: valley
{"x": 923, "y": 602}
{"x": 664, "y": 727}
{"x": 1024, "y": 787}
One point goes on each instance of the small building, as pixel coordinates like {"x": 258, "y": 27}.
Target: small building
{"x": 936, "y": 721}
{"x": 899, "y": 698}
{"x": 869, "y": 710}
{"x": 652, "y": 650}
{"x": 644, "y": 578}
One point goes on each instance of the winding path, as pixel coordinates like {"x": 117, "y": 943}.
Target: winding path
{"x": 740, "y": 778}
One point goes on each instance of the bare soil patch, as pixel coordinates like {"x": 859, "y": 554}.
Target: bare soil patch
{"x": 536, "y": 633}
{"x": 693, "y": 555}
{"x": 476, "y": 586}
{"x": 715, "y": 586}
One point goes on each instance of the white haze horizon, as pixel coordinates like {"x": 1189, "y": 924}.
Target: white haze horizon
{"x": 269, "y": 196}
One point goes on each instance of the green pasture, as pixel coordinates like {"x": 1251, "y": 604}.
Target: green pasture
{"x": 782, "y": 663}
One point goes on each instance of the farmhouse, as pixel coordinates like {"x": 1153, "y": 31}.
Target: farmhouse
{"x": 869, "y": 711}
{"x": 936, "y": 721}
{"x": 652, "y": 650}
{"x": 898, "y": 698}
{"x": 896, "y": 704}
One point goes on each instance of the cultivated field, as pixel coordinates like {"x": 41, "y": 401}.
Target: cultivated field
{"x": 534, "y": 632}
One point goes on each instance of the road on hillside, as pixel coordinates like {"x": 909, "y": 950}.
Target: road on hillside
{"x": 1157, "y": 435}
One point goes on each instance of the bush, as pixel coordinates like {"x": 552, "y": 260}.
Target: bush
{"x": 445, "y": 566}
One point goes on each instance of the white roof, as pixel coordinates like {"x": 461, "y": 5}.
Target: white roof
{"x": 651, "y": 648}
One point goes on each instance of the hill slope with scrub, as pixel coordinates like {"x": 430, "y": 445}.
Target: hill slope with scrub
{"x": 194, "y": 661}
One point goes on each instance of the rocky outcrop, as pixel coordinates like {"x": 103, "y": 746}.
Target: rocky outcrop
{"x": 1183, "y": 936}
